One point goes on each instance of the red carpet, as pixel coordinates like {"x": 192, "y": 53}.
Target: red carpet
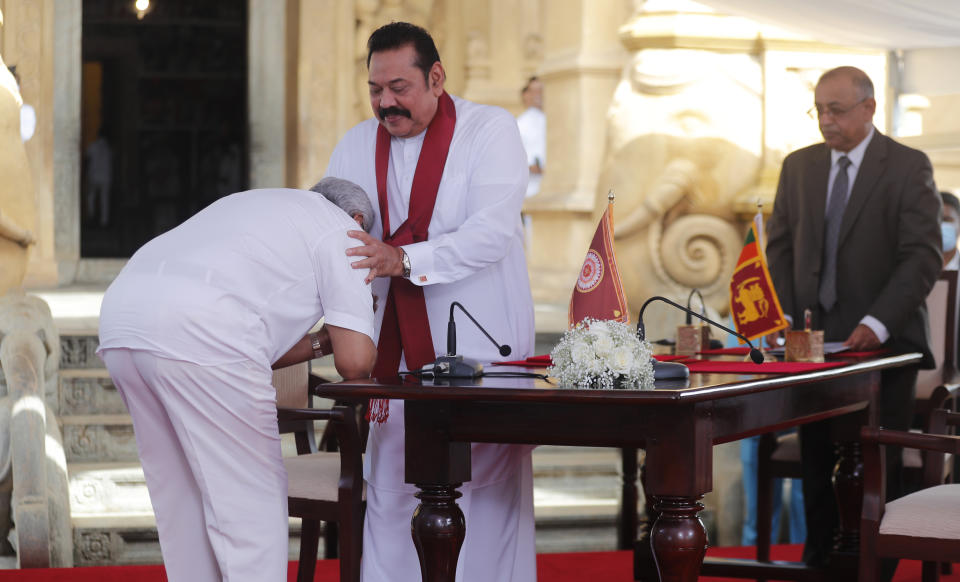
{"x": 571, "y": 567}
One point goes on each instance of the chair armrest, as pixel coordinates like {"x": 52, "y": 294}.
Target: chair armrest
{"x": 341, "y": 418}
{"x": 313, "y": 380}
{"x": 873, "y": 439}
{"x": 929, "y": 442}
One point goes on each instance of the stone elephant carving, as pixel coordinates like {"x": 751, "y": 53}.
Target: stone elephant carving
{"x": 684, "y": 140}
{"x": 34, "y": 493}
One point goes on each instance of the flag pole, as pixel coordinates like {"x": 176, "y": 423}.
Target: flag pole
{"x": 610, "y": 198}
{"x": 758, "y": 223}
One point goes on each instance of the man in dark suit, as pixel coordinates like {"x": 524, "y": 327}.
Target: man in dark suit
{"x": 855, "y": 238}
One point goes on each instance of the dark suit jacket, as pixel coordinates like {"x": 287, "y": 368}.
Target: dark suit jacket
{"x": 889, "y": 250}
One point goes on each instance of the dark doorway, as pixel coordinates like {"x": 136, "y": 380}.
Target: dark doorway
{"x": 164, "y": 116}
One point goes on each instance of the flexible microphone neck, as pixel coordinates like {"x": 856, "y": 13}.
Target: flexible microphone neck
{"x": 703, "y": 305}
{"x": 452, "y": 333}
{"x": 755, "y": 354}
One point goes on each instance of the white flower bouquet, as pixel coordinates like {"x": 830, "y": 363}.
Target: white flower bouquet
{"x": 602, "y": 354}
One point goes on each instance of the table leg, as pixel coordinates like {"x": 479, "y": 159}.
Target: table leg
{"x": 438, "y": 528}
{"x": 678, "y": 538}
{"x": 848, "y": 488}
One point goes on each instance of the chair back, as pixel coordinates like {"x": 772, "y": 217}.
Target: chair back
{"x": 292, "y": 386}
{"x": 942, "y": 308}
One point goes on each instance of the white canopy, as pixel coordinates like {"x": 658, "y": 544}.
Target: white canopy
{"x": 886, "y": 24}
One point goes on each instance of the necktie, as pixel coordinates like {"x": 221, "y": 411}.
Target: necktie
{"x": 831, "y": 237}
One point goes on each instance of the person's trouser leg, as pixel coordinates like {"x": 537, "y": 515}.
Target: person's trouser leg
{"x": 818, "y": 458}
{"x": 749, "y": 454}
{"x": 798, "y": 520}
{"x": 225, "y": 425}
{"x": 176, "y": 499}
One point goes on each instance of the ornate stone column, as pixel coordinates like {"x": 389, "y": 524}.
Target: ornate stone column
{"x": 582, "y": 62}
{"x": 321, "y": 100}
{"x": 266, "y": 89}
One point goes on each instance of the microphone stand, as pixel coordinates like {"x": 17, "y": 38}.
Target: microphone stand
{"x": 664, "y": 370}
{"x": 453, "y": 365}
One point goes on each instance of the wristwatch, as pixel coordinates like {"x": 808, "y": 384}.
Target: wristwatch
{"x": 405, "y": 261}
{"x": 315, "y": 344}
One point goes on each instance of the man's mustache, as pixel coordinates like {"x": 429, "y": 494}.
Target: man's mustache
{"x": 383, "y": 113}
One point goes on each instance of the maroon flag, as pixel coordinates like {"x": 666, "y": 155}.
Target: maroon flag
{"x": 598, "y": 293}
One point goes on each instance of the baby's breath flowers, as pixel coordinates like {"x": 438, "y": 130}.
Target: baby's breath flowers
{"x": 602, "y": 354}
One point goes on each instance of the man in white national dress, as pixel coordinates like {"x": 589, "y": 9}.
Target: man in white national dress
{"x": 189, "y": 330}
{"x": 449, "y": 177}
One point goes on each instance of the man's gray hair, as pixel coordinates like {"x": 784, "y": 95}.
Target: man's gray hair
{"x": 350, "y": 197}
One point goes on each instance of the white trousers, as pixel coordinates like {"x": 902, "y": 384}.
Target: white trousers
{"x": 210, "y": 448}
{"x": 500, "y": 544}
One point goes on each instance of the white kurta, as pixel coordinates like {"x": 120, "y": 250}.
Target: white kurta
{"x": 188, "y": 331}
{"x": 474, "y": 255}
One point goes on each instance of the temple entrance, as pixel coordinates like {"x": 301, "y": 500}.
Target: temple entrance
{"x": 164, "y": 128}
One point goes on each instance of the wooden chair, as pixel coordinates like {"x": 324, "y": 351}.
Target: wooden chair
{"x": 936, "y": 388}
{"x": 323, "y": 485}
{"x": 779, "y": 457}
{"x": 924, "y": 525}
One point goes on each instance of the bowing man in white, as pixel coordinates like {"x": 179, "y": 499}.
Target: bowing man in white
{"x": 449, "y": 177}
{"x": 189, "y": 331}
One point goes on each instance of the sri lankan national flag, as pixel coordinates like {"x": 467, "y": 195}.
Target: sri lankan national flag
{"x": 753, "y": 301}
{"x": 598, "y": 293}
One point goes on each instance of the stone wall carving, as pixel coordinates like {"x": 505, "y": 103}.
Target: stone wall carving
{"x": 89, "y": 395}
{"x": 97, "y": 547}
{"x": 684, "y": 142}
{"x": 79, "y": 352}
{"x": 95, "y": 442}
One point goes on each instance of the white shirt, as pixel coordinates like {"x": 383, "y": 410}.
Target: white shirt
{"x": 474, "y": 254}
{"x": 533, "y": 132}
{"x": 243, "y": 279}
{"x": 855, "y": 156}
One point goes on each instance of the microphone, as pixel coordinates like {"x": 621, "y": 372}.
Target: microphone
{"x": 452, "y": 365}
{"x": 755, "y": 354}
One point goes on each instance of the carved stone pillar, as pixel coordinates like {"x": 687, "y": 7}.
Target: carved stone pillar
{"x": 321, "y": 100}
{"x": 266, "y": 90}
{"x": 582, "y": 62}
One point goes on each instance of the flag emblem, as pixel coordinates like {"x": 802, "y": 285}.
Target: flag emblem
{"x": 592, "y": 272}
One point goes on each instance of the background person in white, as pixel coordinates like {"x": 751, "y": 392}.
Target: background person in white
{"x": 533, "y": 131}
{"x": 474, "y": 255}
{"x": 189, "y": 331}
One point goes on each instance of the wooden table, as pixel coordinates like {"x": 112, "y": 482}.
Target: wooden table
{"x": 677, "y": 425}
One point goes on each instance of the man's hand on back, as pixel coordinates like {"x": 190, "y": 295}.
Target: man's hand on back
{"x": 382, "y": 259}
